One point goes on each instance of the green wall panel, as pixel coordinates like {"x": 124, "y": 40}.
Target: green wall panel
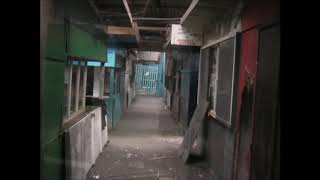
{"x": 56, "y": 44}
{"x": 53, "y": 97}
{"x": 82, "y": 44}
{"x": 53, "y": 166}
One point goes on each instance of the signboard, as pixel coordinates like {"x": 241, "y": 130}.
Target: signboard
{"x": 181, "y": 36}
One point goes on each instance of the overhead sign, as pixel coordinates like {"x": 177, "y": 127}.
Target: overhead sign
{"x": 181, "y": 36}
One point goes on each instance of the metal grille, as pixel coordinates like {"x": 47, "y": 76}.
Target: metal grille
{"x": 147, "y": 79}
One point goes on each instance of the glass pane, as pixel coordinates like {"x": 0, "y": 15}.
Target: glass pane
{"x": 212, "y": 77}
{"x": 225, "y": 76}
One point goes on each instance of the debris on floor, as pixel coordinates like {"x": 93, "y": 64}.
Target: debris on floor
{"x": 144, "y": 146}
{"x": 96, "y": 177}
{"x": 162, "y": 157}
{"x": 137, "y": 164}
{"x": 129, "y": 155}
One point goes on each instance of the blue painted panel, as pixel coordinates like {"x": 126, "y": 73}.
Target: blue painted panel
{"x": 94, "y": 63}
{"x": 111, "y": 57}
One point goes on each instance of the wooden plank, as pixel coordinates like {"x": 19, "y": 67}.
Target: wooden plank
{"x": 126, "y": 5}
{"x": 134, "y": 25}
{"x": 117, "y": 30}
{"x": 193, "y": 133}
{"x": 189, "y": 10}
{"x": 136, "y": 30}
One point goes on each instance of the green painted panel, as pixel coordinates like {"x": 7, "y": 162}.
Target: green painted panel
{"x": 56, "y": 45}
{"x": 117, "y": 110}
{"x": 53, "y": 167}
{"x": 116, "y": 99}
{"x": 83, "y": 44}
{"x": 109, "y": 103}
{"x": 52, "y": 98}
{"x": 112, "y": 81}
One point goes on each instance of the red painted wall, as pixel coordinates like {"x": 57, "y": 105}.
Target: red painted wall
{"x": 256, "y": 13}
{"x": 249, "y": 55}
{"x": 259, "y": 13}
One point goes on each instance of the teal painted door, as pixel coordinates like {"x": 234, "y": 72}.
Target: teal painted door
{"x": 148, "y": 79}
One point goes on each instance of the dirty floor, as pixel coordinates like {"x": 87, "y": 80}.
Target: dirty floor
{"x": 144, "y": 146}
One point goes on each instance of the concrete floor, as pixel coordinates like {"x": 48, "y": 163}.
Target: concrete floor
{"x": 144, "y": 146}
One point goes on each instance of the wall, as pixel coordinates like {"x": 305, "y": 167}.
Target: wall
{"x": 255, "y": 16}
{"x": 222, "y": 142}
{"x": 129, "y": 83}
{"x": 220, "y": 139}
{"x": 51, "y": 91}
{"x": 84, "y": 143}
{"x": 54, "y": 35}
{"x": 161, "y": 91}
{"x": 180, "y": 96}
{"x": 83, "y": 45}
{"x": 115, "y": 100}
{"x": 189, "y": 81}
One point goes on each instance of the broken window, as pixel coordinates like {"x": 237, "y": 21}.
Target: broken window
{"x": 90, "y": 78}
{"x": 222, "y": 69}
{"x": 212, "y": 77}
{"x": 94, "y": 79}
{"x": 74, "y": 88}
{"x": 225, "y": 80}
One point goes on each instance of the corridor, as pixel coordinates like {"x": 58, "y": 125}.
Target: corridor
{"x": 144, "y": 146}
{"x": 160, "y": 89}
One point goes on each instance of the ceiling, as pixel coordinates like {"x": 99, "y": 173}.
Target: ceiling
{"x": 150, "y": 18}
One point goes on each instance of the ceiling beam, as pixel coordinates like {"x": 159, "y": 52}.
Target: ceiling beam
{"x": 126, "y": 5}
{"x": 150, "y": 41}
{"x": 189, "y": 10}
{"x": 154, "y": 19}
{"x": 136, "y": 30}
{"x": 133, "y": 24}
{"x": 117, "y": 30}
{"x": 152, "y": 28}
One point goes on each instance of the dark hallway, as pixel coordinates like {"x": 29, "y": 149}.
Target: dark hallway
{"x": 144, "y": 146}
{"x": 145, "y": 89}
